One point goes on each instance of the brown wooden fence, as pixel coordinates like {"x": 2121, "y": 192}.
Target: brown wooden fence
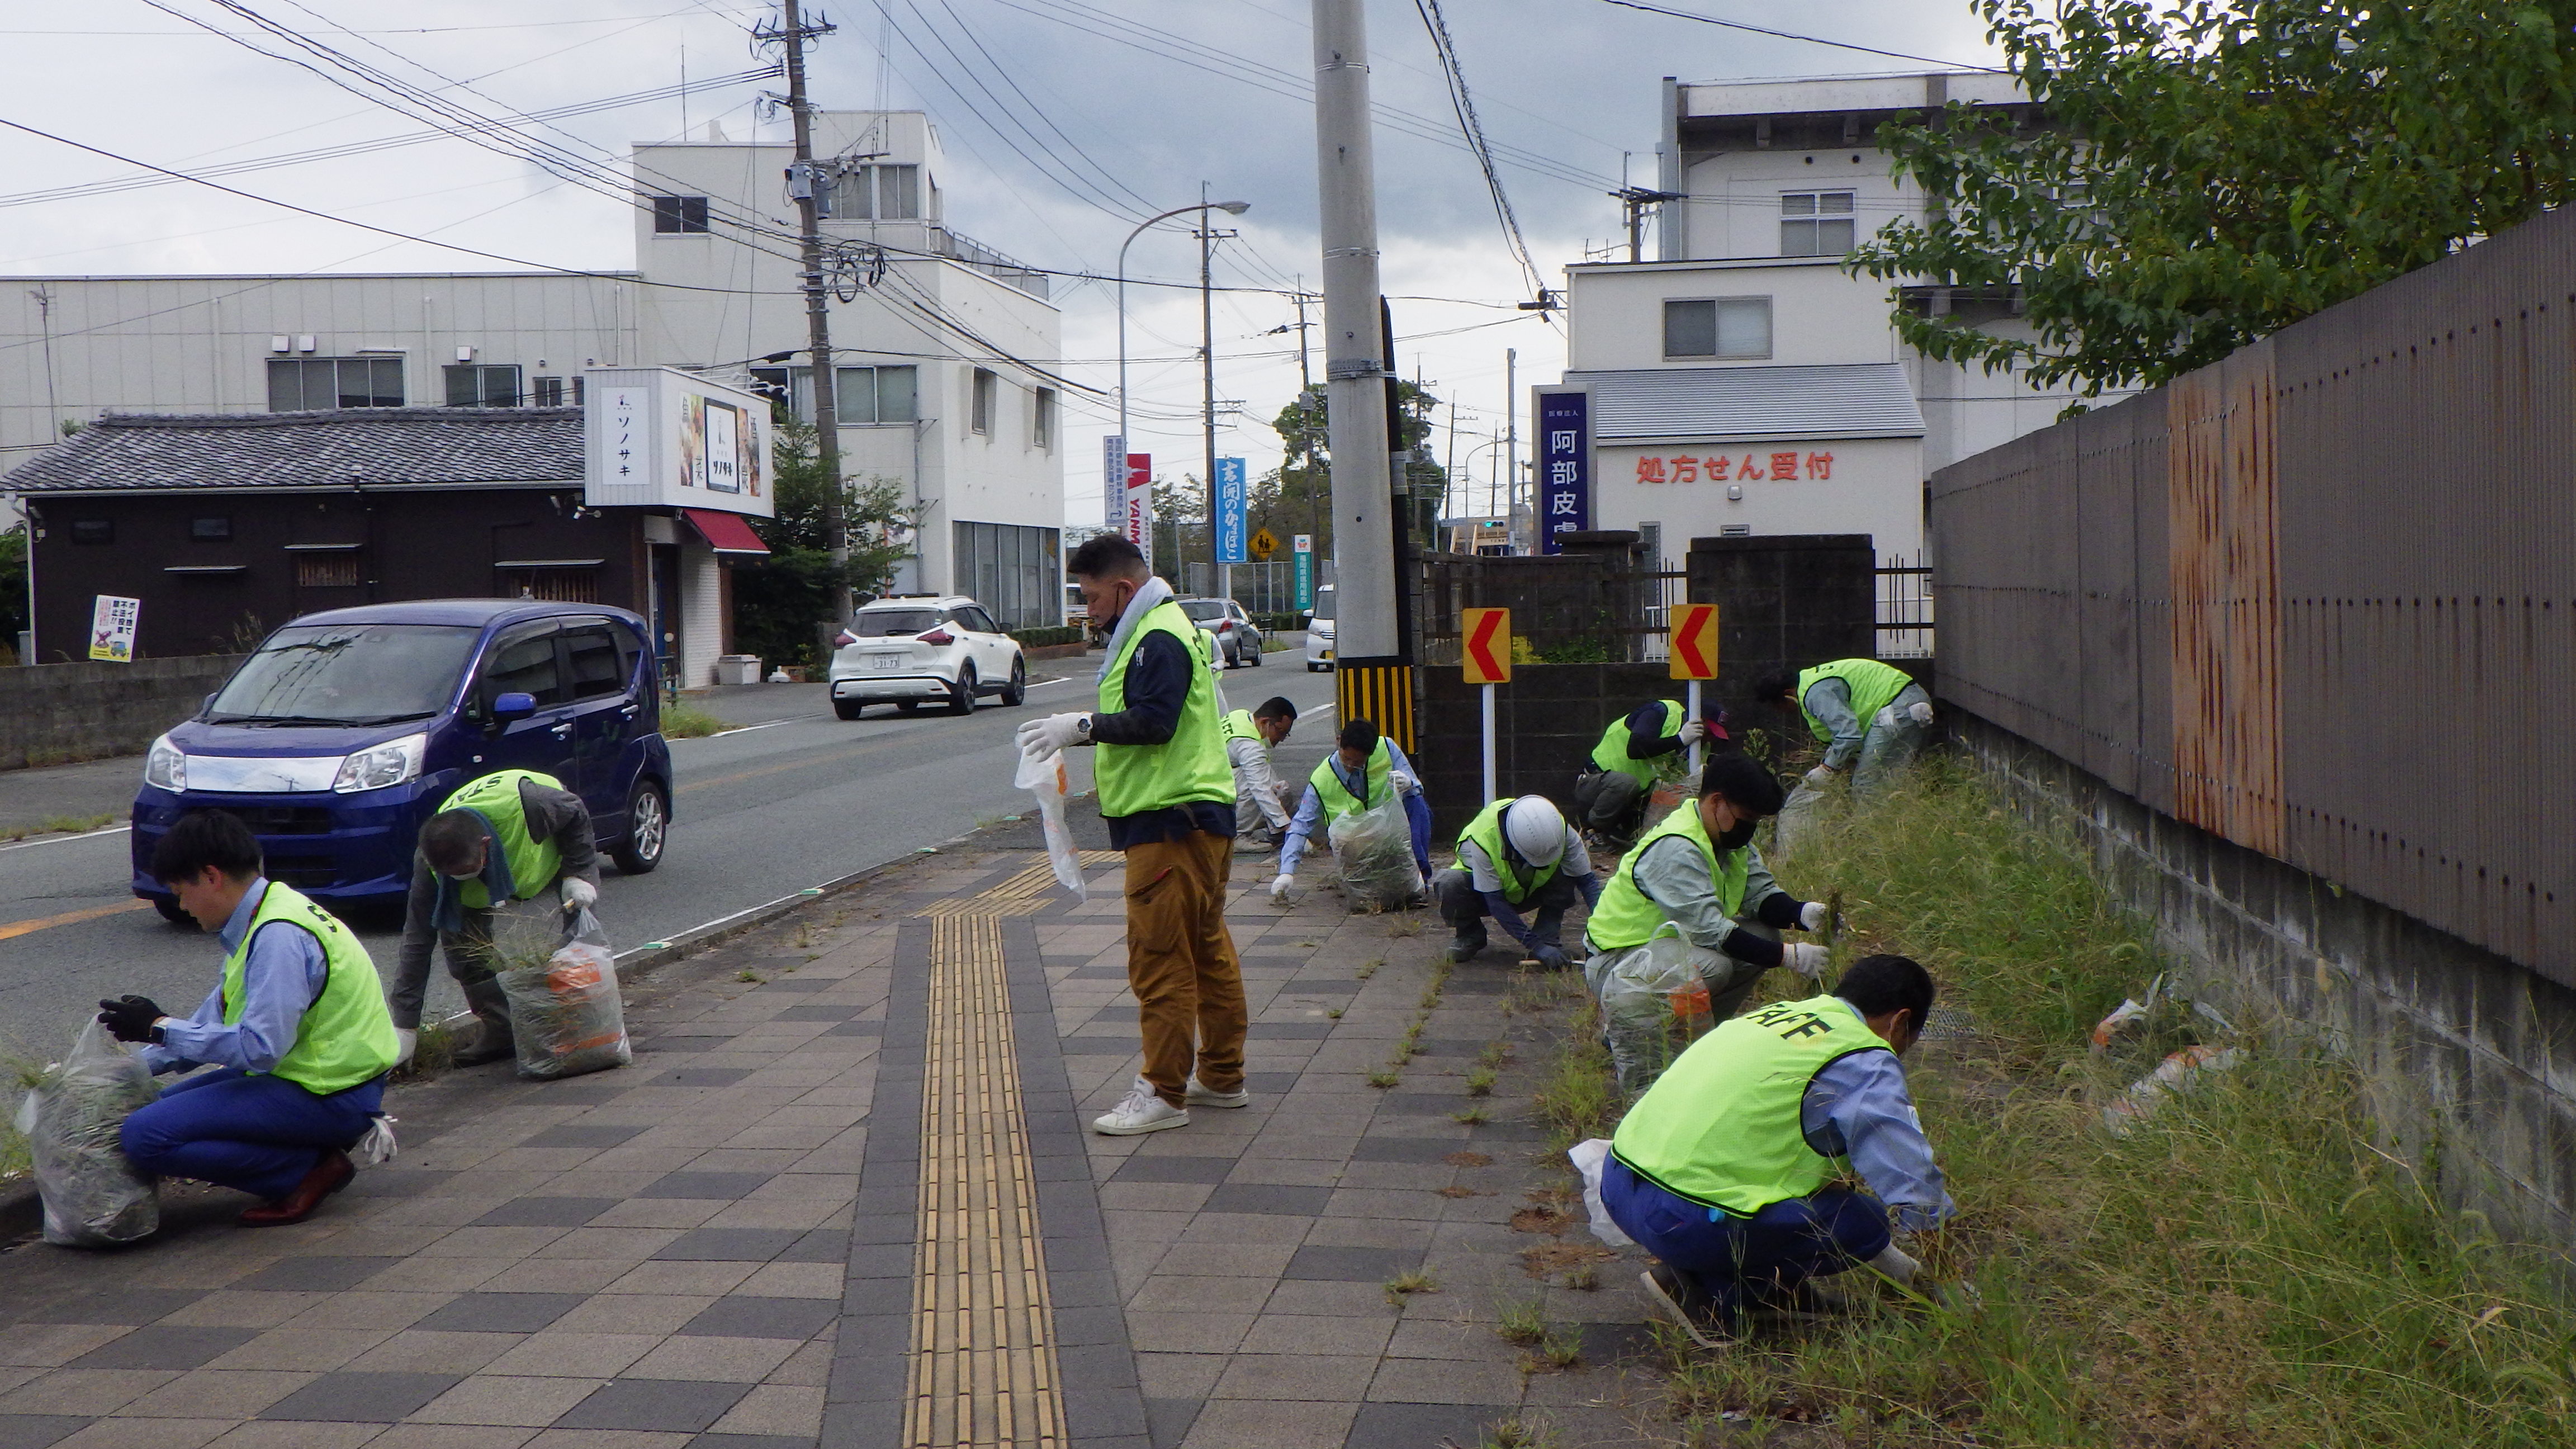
{"x": 2318, "y": 598}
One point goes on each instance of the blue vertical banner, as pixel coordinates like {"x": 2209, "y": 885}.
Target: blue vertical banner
{"x": 1233, "y": 508}
{"x": 1564, "y": 466}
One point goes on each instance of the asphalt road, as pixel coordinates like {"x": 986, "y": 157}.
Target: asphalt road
{"x": 761, "y": 812}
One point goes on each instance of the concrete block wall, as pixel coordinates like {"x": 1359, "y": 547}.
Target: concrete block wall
{"x": 2471, "y": 1058}
{"x": 1546, "y": 722}
{"x": 54, "y": 713}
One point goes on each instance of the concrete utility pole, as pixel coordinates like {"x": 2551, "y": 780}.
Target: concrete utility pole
{"x": 1217, "y": 573}
{"x": 1512, "y": 445}
{"x": 825, "y": 387}
{"x": 1371, "y": 668}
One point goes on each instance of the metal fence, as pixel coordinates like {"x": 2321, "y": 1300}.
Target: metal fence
{"x": 1261, "y": 588}
{"x": 1904, "y": 608}
{"x": 2317, "y": 598}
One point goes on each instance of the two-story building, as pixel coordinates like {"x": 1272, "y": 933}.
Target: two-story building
{"x": 945, "y": 350}
{"x": 1742, "y": 382}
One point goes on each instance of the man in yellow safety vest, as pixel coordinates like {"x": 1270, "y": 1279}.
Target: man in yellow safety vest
{"x": 1167, "y": 796}
{"x": 296, "y": 1028}
{"x": 1871, "y": 717}
{"x": 512, "y": 835}
{"x": 1729, "y": 1170}
{"x": 1649, "y": 743}
{"x": 1259, "y": 799}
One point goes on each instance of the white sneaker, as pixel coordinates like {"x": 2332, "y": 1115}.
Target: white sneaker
{"x": 1199, "y": 1096}
{"x": 1141, "y": 1110}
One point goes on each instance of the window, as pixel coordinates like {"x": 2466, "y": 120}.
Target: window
{"x": 980, "y": 419}
{"x": 679, "y": 215}
{"x": 549, "y": 392}
{"x": 576, "y": 583}
{"x": 1015, "y": 572}
{"x": 978, "y": 621}
{"x": 472, "y": 386}
{"x": 866, "y": 394}
{"x": 93, "y": 530}
{"x": 211, "y": 530}
{"x": 894, "y": 623}
{"x": 1815, "y": 223}
{"x": 327, "y": 570}
{"x": 1718, "y": 327}
{"x": 524, "y": 664}
{"x": 878, "y": 193}
{"x": 1042, "y": 420}
{"x": 360, "y": 673}
{"x": 592, "y": 663}
{"x": 299, "y": 385}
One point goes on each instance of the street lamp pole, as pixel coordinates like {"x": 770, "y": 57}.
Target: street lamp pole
{"x": 1126, "y": 440}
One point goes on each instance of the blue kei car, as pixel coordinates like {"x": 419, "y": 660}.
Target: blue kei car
{"x": 345, "y": 731}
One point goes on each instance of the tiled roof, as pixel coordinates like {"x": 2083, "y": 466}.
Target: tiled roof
{"x": 1839, "y": 400}
{"x": 463, "y": 446}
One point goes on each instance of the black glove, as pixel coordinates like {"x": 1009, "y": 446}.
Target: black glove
{"x": 130, "y": 1018}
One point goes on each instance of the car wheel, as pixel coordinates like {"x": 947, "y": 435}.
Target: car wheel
{"x": 648, "y": 829}
{"x": 961, "y": 695}
{"x": 849, "y": 708}
{"x": 170, "y": 912}
{"x": 1017, "y": 691}
{"x": 1257, "y": 647}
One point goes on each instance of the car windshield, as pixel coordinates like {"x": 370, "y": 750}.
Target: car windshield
{"x": 347, "y": 674}
{"x": 888, "y": 623}
{"x": 1204, "y": 610}
{"x": 1323, "y": 603}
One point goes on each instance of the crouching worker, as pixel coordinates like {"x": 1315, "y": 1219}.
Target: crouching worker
{"x": 1724, "y": 1170}
{"x": 1698, "y": 877}
{"x": 511, "y": 836}
{"x": 1516, "y": 854}
{"x": 1872, "y": 718}
{"x": 1640, "y": 747}
{"x": 1260, "y": 801}
{"x": 297, "y": 1025}
{"x": 1363, "y": 772}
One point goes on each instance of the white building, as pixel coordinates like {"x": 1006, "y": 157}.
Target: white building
{"x": 946, "y": 350}
{"x": 1743, "y": 383}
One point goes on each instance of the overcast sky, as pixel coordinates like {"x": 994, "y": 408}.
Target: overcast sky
{"x": 1111, "y": 105}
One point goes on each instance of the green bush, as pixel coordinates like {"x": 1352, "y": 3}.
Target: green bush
{"x": 1041, "y": 637}
{"x": 1287, "y": 623}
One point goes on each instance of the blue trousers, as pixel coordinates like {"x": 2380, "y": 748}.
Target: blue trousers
{"x": 1779, "y": 1247}
{"x": 260, "y": 1134}
{"x": 1417, "y": 812}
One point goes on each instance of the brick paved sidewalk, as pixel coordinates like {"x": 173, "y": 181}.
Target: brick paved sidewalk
{"x": 847, "y": 1195}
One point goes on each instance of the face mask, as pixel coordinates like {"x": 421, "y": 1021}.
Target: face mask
{"x": 1738, "y": 837}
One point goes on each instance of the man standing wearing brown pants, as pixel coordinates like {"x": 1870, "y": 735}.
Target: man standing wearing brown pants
{"x": 1167, "y": 793}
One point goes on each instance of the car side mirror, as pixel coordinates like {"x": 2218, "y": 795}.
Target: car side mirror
{"x": 513, "y": 707}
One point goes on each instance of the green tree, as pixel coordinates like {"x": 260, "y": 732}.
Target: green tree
{"x": 780, "y": 602}
{"x": 2207, "y": 171}
{"x": 1297, "y": 496}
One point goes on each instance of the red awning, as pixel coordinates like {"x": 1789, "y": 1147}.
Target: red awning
{"x": 725, "y": 532}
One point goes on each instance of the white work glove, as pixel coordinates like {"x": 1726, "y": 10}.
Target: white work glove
{"x": 1693, "y": 731}
{"x": 579, "y": 894}
{"x": 1921, "y": 709}
{"x": 1280, "y": 888}
{"x": 1040, "y": 738}
{"x": 1813, "y": 915}
{"x": 1819, "y": 777}
{"x": 406, "y": 1040}
{"x": 1807, "y": 961}
{"x": 1404, "y": 784}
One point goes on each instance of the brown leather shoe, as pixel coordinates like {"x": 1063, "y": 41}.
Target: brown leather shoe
{"x": 328, "y": 1176}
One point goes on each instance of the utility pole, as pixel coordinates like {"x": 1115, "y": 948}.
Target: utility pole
{"x": 1217, "y": 577}
{"x": 1372, "y": 676}
{"x": 825, "y": 387}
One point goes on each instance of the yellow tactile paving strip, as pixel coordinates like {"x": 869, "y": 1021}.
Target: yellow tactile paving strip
{"x": 1023, "y": 894}
{"x": 983, "y": 1370}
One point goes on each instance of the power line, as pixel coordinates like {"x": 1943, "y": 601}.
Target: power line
{"x": 1793, "y": 35}
{"x": 1473, "y": 129}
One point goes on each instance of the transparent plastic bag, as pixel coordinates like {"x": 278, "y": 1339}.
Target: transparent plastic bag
{"x": 1588, "y": 1158}
{"x": 1796, "y": 823}
{"x": 94, "y": 1197}
{"x": 1642, "y": 990}
{"x": 565, "y": 1013}
{"x": 1044, "y": 778}
{"x": 1374, "y": 850}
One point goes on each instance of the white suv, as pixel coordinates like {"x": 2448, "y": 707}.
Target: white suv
{"x": 910, "y": 649}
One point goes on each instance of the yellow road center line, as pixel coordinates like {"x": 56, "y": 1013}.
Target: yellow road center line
{"x": 983, "y": 1371}
{"x": 70, "y": 918}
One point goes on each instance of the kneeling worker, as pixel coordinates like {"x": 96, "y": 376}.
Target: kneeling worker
{"x": 1722, "y": 1171}
{"x": 1638, "y": 748}
{"x": 1250, "y": 736}
{"x": 297, "y": 1025}
{"x": 1870, "y": 717}
{"x": 1516, "y": 853}
{"x": 1364, "y": 770}
{"x": 511, "y": 836}
{"x": 1699, "y": 871}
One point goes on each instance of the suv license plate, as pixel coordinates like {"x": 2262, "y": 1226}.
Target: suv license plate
{"x": 889, "y": 661}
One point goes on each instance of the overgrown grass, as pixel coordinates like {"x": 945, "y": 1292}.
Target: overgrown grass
{"x": 60, "y": 824}
{"x": 2246, "y": 1268}
{"x": 688, "y": 722}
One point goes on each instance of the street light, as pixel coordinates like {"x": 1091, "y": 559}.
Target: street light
{"x": 1125, "y": 441}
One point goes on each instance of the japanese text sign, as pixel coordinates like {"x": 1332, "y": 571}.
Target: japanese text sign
{"x": 1564, "y": 466}
{"x": 111, "y": 628}
{"x": 1230, "y": 510}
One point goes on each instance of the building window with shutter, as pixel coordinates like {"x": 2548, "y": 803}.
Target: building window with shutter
{"x": 679, "y": 215}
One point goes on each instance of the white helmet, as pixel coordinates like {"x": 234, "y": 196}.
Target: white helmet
{"x": 1535, "y": 829}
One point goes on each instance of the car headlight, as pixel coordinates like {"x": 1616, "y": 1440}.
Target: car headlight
{"x": 166, "y": 767}
{"x": 390, "y": 763}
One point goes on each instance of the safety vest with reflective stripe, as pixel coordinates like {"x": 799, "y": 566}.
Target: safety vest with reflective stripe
{"x": 1239, "y": 726}
{"x": 346, "y": 1035}
{"x": 1723, "y": 1126}
{"x": 1874, "y": 686}
{"x": 1626, "y": 917}
{"x": 533, "y": 860}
